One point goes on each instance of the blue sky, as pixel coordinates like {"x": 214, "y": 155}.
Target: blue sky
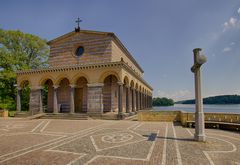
{"x": 160, "y": 34}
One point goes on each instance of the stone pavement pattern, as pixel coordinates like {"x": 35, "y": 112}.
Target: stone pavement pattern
{"x": 50, "y": 142}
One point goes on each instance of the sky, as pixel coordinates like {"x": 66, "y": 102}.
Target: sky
{"x": 160, "y": 34}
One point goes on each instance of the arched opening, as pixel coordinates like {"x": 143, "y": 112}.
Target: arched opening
{"x": 80, "y": 99}
{"x": 47, "y": 93}
{"x": 110, "y": 94}
{"x": 63, "y": 95}
{"x": 106, "y": 74}
{"x": 25, "y": 95}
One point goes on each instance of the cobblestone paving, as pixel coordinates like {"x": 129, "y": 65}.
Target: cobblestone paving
{"x": 28, "y": 142}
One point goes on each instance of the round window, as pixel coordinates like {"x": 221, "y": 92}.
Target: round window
{"x": 79, "y": 51}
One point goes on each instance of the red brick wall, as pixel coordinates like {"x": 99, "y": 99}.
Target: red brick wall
{"x": 110, "y": 94}
{"x": 63, "y": 92}
{"x": 97, "y": 49}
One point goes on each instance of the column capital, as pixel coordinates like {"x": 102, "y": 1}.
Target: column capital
{"x": 73, "y": 85}
{"x": 132, "y": 88}
{"x": 56, "y": 86}
{"x": 120, "y": 83}
{"x": 95, "y": 85}
{"x": 36, "y": 87}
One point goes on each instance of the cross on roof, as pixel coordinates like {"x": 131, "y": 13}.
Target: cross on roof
{"x": 78, "y": 21}
{"x": 78, "y": 27}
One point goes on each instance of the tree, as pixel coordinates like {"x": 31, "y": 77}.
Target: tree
{"x": 18, "y": 51}
{"x": 162, "y": 101}
{"x": 222, "y": 99}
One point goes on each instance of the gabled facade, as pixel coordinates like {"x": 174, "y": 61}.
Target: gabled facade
{"x": 89, "y": 72}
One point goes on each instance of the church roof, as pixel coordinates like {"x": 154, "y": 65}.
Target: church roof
{"x": 124, "y": 49}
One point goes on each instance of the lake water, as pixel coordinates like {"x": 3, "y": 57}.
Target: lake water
{"x": 227, "y": 108}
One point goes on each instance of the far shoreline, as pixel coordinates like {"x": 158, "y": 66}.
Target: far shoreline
{"x": 220, "y": 108}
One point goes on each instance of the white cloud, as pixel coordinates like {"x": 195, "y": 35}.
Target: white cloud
{"x": 232, "y": 43}
{"x": 227, "y": 49}
{"x": 176, "y": 95}
{"x": 238, "y": 11}
{"x": 231, "y": 23}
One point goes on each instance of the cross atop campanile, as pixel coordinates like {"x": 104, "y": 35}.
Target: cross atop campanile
{"x": 77, "y": 29}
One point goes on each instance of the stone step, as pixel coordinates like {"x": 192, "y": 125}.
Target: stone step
{"x": 109, "y": 116}
{"x": 22, "y": 114}
{"x": 76, "y": 116}
{"x": 65, "y": 108}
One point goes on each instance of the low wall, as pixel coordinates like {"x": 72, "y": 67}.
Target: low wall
{"x": 183, "y": 117}
{"x": 164, "y": 116}
{"x": 216, "y": 117}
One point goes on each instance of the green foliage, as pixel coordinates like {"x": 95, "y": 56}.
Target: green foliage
{"x": 7, "y": 104}
{"x": 18, "y": 51}
{"x": 224, "y": 99}
{"x": 45, "y": 95}
{"x": 11, "y": 113}
{"x": 162, "y": 101}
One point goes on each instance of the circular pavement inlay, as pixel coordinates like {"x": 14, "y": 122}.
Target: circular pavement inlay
{"x": 117, "y": 137}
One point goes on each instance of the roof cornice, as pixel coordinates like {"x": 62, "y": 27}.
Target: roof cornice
{"x": 120, "y": 64}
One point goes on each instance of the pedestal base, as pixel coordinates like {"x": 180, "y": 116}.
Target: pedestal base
{"x": 120, "y": 116}
{"x": 200, "y": 138}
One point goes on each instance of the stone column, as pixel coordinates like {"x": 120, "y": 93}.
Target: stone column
{"x": 144, "y": 101}
{"x": 72, "y": 94}
{"x": 199, "y": 114}
{"x": 120, "y": 95}
{"x": 140, "y": 100}
{"x": 139, "y": 94}
{"x": 148, "y": 101}
{"x": 133, "y": 100}
{"x": 136, "y": 94}
{"x": 19, "y": 89}
{"x": 95, "y": 99}
{"x": 40, "y": 100}
{"x": 35, "y": 100}
{"x": 55, "y": 99}
{"x": 151, "y": 101}
{"x": 137, "y": 106}
{"x": 127, "y": 99}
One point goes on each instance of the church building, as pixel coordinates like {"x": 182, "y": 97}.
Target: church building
{"x": 89, "y": 72}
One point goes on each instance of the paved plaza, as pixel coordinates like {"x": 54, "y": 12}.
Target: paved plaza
{"x": 50, "y": 142}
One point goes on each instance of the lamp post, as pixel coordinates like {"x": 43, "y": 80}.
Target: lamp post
{"x": 199, "y": 114}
